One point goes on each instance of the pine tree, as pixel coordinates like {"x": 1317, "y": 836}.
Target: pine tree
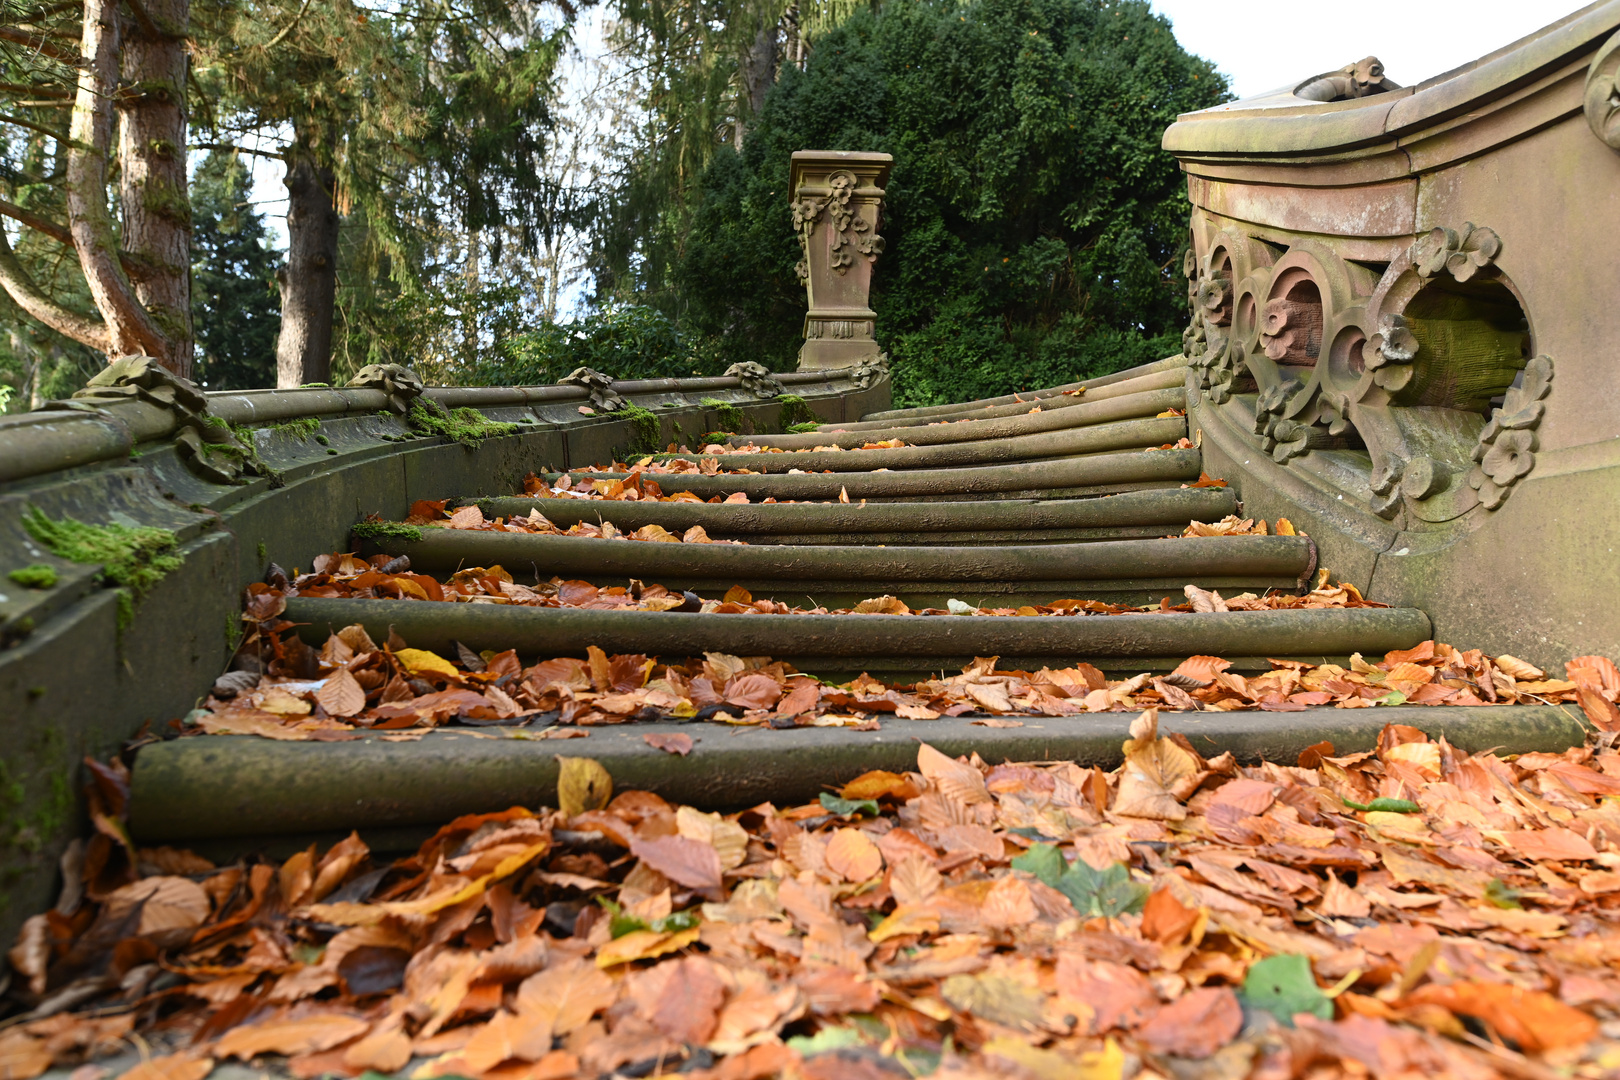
{"x": 234, "y": 305}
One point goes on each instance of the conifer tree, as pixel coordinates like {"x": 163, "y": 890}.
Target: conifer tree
{"x": 234, "y": 305}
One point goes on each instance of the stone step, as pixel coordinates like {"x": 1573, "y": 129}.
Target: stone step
{"x": 1056, "y": 478}
{"x": 227, "y": 796}
{"x": 1137, "y": 513}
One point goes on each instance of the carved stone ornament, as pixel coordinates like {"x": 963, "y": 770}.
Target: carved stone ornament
{"x": 1602, "y": 102}
{"x": 1282, "y": 438}
{"x": 1461, "y": 253}
{"x": 1291, "y": 332}
{"x": 1388, "y": 354}
{"x": 1363, "y": 78}
{"x": 600, "y": 387}
{"x": 756, "y": 379}
{"x": 207, "y": 446}
{"x": 400, "y": 383}
{"x": 868, "y": 371}
{"x": 1507, "y": 444}
{"x": 837, "y": 204}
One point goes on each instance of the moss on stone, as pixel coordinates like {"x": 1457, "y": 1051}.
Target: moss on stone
{"x": 795, "y": 413}
{"x": 134, "y": 558}
{"x": 646, "y": 425}
{"x": 379, "y": 530}
{"x": 731, "y": 417}
{"x": 467, "y": 426}
{"x": 802, "y": 429}
{"x": 301, "y": 428}
{"x": 37, "y": 576}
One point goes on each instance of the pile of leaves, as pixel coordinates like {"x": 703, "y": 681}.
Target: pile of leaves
{"x": 471, "y": 518}
{"x": 1232, "y": 525}
{"x": 1410, "y": 911}
{"x": 282, "y": 688}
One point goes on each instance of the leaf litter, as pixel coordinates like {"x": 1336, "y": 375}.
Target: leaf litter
{"x": 1176, "y": 917}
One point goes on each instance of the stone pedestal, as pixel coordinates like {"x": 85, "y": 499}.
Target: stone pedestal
{"x": 837, "y": 199}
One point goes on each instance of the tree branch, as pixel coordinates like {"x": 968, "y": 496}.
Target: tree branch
{"x": 60, "y": 233}
{"x": 32, "y": 299}
{"x": 237, "y": 149}
{"x": 40, "y": 45}
{"x": 55, "y": 133}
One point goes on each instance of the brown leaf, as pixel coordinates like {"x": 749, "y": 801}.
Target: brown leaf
{"x": 1534, "y": 1020}
{"x": 341, "y": 695}
{"x": 1552, "y": 845}
{"x": 689, "y": 1007}
{"x": 677, "y": 743}
{"x": 22, "y": 1057}
{"x": 684, "y": 861}
{"x": 1196, "y": 1024}
{"x": 753, "y": 691}
{"x": 285, "y": 1035}
{"x": 1165, "y": 919}
{"x": 182, "y": 1066}
{"x": 560, "y": 1000}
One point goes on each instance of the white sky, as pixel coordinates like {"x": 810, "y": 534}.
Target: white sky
{"x": 1264, "y": 44}
{"x": 1259, "y": 44}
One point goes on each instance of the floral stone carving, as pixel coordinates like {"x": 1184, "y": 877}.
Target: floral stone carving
{"x": 1461, "y": 253}
{"x": 1602, "y": 104}
{"x": 400, "y": 383}
{"x": 837, "y": 201}
{"x": 1388, "y": 354}
{"x": 1291, "y": 333}
{"x": 598, "y": 385}
{"x": 756, "y": 379}
{"x": 1281, "y": 437}
{"x": 207, "y": 445}
{"x": 1507, "y": 445}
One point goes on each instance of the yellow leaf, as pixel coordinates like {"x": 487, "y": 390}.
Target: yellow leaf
{"x": 582, "y": 784}
{"x": 422, "y": 662}
{"x": 354, "y": 914}
{"x": 643, "y": 945}
{"x": 1105, "y": 1064}
{"x": 906, "y": 919}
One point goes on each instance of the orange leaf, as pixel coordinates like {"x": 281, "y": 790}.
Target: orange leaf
{"x": 281, "y": 1035}
{"x": 1552, "y": 845}
{"x": 853, "y": 856}
{"x": 1534, "y": 1020}
{"x": 341, "y": 695}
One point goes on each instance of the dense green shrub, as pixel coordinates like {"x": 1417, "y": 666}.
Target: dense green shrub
{"x": 626, "y": 341}
{"x": 1034, "y": 225}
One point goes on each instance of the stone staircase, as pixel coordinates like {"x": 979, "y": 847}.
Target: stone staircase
{"x": 1066, "y": 494}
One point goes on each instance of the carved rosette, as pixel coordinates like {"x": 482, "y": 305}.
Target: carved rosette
{"x": 1506, "y": 450}
{"x": 837, "y": 203}
{"x": 1388, "y": 354}
{"x": 1602, "y": 101}
{"x": 1460, "y": 253}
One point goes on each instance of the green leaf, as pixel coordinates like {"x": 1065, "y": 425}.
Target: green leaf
{"x": 835, "y": 804}
{"x": 1045, "y": 861}
{"x": 1108, "y": 893}
{"x": 1283, "y": 986}
{"x": 1498, "y": 894}
{"x": 1388, "y": 806}
{"x": 828, "y": 1038}
{"x": 1394, "y": 697}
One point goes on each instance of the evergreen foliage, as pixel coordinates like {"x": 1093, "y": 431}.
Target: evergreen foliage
{"x": 235, "y": 311}
{"x": 626, "y": 341}
{"x": 1034, "y": 226}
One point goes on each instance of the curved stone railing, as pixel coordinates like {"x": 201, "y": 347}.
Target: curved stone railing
{"x": 1402, "y": 326}
{"x": 243, "y": 478}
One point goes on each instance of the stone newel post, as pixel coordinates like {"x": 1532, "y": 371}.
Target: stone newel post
{"x": 837, "y": 197}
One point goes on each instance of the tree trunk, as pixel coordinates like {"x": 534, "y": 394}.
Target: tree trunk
{"x": 758, "y": 72}
{"x": 309, "y": 281}
{"x": 152, "y": 174}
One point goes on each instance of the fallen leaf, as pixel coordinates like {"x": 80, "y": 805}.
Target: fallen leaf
{"x": 676, "y": 743}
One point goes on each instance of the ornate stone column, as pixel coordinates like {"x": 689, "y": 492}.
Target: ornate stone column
{"x": 837, "y": 198}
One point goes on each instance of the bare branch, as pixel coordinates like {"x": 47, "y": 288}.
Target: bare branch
{"x": 29, "y": 297}
{"x": 40, "y": 45}
{"x": 238, "y": 149}
{"x": 56, "y": 133}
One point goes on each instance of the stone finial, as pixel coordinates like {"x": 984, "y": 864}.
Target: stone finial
{"x": 756, "y": 379}
{"x": 400, "y": 383}
{"x": 598, "y": 385}
{"x": 837, "y": 202}
{"x": 1363, "y": 78}
{"x": 209, "y": 447}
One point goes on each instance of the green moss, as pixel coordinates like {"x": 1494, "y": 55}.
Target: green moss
{"x": 131, "y": 557}
{"x": 802, "y": 429}
{"x": 646, "y": 425}
{"x": 795, "y": 413}
{"x": 262, "y": 551}
{"x": 301, "y": 428}
{"x": 467, "y": 426}
{"x": 233, "y": 632}
{"x": 323, "y": 440}
{"x": 378, "y": 530}
{"x": 731, "y": 417}
{"x": 37, "y": 576}
{"x": 27, "y": 829}
{"x": 316, "y": 386}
